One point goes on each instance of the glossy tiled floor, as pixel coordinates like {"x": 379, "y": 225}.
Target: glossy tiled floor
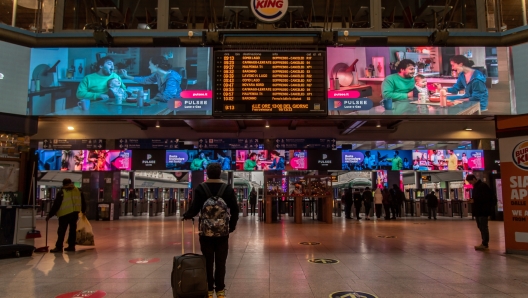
{"x": 430, "y": 259}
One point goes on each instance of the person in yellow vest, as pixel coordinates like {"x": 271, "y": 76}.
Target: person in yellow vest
{"x": 68, "y": 203}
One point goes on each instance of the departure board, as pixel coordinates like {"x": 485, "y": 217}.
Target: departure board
{"x": 264, "y": 83}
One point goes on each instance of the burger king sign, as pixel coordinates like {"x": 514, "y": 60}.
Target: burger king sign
{"x": 520, "y": 155}
{"x": 269, "y": 11}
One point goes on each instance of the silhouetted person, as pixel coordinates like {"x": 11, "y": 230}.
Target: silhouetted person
{"x": 358, "y": 201}
{"x": 368, "y": 198}
{"x": 432, "y": 204}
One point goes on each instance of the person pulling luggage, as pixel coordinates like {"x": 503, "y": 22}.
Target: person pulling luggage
{"x": 216, "y": 202}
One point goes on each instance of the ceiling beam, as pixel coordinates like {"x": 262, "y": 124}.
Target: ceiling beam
{"x": 395, "y": 124}
{"x": 350, "y": 127}
{"x": 241, "y": 124}
{"x": 138, "y": 124}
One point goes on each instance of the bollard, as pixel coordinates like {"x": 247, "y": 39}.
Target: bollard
{"x": 244, "y": 207}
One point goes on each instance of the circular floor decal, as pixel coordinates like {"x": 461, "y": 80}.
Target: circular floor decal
{"x": 83, "y": 294}
{"x": 323, "y": 261}
{"x": 143, "y": 261}
{"x": 351, "y": 294}
{"x": 309, "y": 243}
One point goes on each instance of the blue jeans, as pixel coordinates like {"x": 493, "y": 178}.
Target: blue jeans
{"x": 482, "y": 224}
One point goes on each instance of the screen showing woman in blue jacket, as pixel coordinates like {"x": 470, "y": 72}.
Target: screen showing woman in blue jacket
{"x": 277, "y": 161}
{"x": 471, "y": 80}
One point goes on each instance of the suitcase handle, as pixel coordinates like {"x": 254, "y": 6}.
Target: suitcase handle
{"x": 183, "y": 234}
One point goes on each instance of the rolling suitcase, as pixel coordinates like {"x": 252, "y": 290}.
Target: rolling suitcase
{"x": 16, "y": 250}
{"x": 189, "y": 276}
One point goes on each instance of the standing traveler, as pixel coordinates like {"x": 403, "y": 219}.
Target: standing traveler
{"x": 358, "y": 200}
{"x": 217, "y": 204}
{"x": 68, "y": 203}
{"x": 252, "y": 200}
{"x": 393, "y": 202}
{"x": 399, "y": 198}
{"x": 482, "y": 200}
{"x": 386, "y": 203}
{"x": 378, "y": 202}
{"x": 368, "y": 198}
{"x": 432, "y": 203}
{"x": 347, "y": 199}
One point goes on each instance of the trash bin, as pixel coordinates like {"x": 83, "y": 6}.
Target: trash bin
{"x": 244, "y": 208}
{"x": 105, "y": 211}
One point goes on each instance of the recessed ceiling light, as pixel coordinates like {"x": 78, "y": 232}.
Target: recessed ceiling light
{"x": 71, "y": 128}
{"x": 468, "y": 128}
{"x": 267, "y": 124}
{"x": 378, "y": 124}
{"x": 157, "y": 124}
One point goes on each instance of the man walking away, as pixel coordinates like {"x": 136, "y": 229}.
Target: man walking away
{"x": 252, "y": 200}
{"x": 482, "y": 200}
{"x": 368, "y": 199}
{"x": 358, "y": 200}
{"x": 386, "y": 203}
{"x": 68, "y": 203}
{"x": 217, "y": 204}
{"x": 378, "y": 202}
{"x": 347, "y": 199}
{"x": 399, "y": 198}
{"x": 432, "y": 203}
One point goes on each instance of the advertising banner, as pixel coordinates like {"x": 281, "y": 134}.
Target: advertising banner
{"x": 325, "y": 160}
{"x": 451, "y": 160}
{"x": 118, "y": 81}
{"x": 197, "y": 160}
{"x": 379, "y": 81}
{"x": 264, "y": 160}
{"x": 145, "y": 160}
{"x": 107, "y": 160}
{"x": 514, "y": 175}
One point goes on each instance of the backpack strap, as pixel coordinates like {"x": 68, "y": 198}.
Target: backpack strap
{"x": 222, "y": 189}
{"x": 207, "y": 190}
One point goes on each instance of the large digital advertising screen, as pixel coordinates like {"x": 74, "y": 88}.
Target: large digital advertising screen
{"x": 197, "y": 160}
{"x": 451, "y": 160}
{"x": 118, "y": 81}
{"x": 14, "y": 69}
{"x": 265, "y": 160}
{"x": 371, "y": 160}
{"x": 84, "y": 160}
{"x": 409, "y": 80}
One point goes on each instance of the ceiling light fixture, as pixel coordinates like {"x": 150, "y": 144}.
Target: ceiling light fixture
{"x": 71, "y": 128}
{"x": 468, "y": 128}
{"x": 267, "y": 124}
{"x": 378, "y": 125}
{"x": 157, "y": 124}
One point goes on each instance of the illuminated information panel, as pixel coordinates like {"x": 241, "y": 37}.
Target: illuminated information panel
{"x": 250, "y": 83}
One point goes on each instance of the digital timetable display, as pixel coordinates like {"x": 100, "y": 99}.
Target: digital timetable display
{"x": 251, "y": 83}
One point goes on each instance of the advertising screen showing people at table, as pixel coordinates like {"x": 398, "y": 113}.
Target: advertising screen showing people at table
{"x": 14, "y": 68}
{"x": 197, "y": 160}
{"x": 417, "y": 81}
{"x": 120, "y": 81}
{"x": 265, "y": 160}
{"x": 451, "y": 160}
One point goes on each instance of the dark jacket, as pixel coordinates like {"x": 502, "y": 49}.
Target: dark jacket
{"x": 200, "y": 197}
{"x": 358, "y": 199}
{"x": 482, "y": 199}
{"x": 386, "y": 198}
{"x": 253, "y": 197}
{"x": 368, "y": 197}
{"x": 432, "y": 200}
{"x": 347, "y": 197}
{"x": 58, "y": 202}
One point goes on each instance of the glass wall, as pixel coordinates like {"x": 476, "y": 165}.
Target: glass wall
{"x": 411, "y": 14}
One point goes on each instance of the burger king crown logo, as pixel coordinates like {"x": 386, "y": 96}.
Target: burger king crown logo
{"x": 269, "y": 11}
{"x": 520, "y": 155}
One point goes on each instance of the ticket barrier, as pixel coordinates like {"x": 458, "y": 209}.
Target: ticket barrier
{"x": 244, "y": 208}
{"x": 45, "y": 206}
{"x": 167, "y": 207}
{"x": 173, "y": 206}
{"x": 260, "y": 210}
{"x": 448, "y": 209}
{"x": 144, "y": 206}
{"x": 135, "y": 207}
{"x": 465, "y": 208}
{"x": 152, "y": 207}
{"x": 417, "y": 208}
{"x": 338, "y": 209}
{"x": 123, "y": 207}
